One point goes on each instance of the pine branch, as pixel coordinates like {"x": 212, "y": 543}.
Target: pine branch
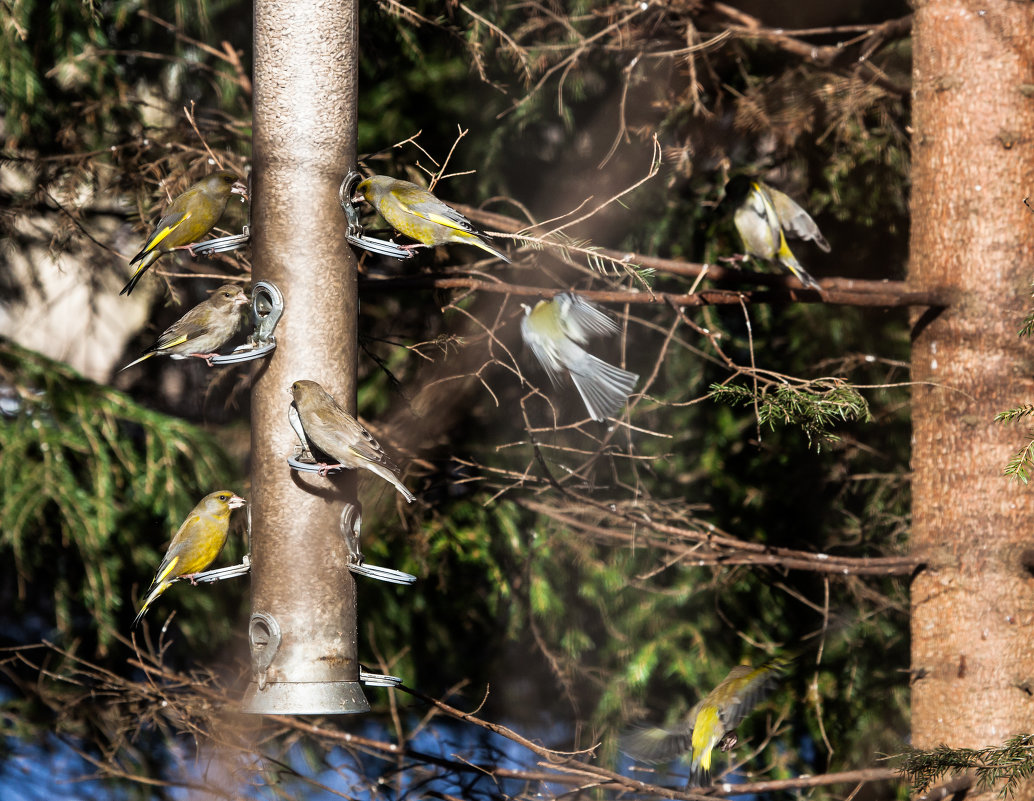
{"x": 816, "y": 406}
{"x": 1022, "y": 463}
{"x": 1000, "y": 768}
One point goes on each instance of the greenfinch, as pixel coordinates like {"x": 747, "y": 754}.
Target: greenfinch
{"x": 763, "y": 216}
{"x": 197, "y": 543}
{"x": 415, "y": 212}
{"x": 711, "y": 722}
{"x": 189, "y": 217}
{"x": 339, "y": 435}
{"x": 202, "y": 330}
{"x": 555, "y": 330}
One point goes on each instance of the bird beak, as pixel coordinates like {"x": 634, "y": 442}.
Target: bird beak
{"x": 241, "y": 299}
{"x": 236, "y": 502}
{"x": 239, "y": 189}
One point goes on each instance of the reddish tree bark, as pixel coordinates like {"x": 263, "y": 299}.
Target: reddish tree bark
{"x": 973, "y": 603}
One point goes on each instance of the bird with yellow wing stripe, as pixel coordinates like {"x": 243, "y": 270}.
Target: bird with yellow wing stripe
{"x": 189, "y": 217}
{"x": 415, "y": 212}
{"x": 711, "y": 722}
{"x": 202, "y": 330}
{"x": 197, "y": 543}
{"x": 764, "y": 216}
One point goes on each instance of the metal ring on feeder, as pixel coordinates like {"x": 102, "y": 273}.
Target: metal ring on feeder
{"x": 371, "y": 679}
{"x": 303, "y": 462}
{"x": 223, "y": 244}
{"x": 232, "y": 571}
{"x": 351, "y": 521}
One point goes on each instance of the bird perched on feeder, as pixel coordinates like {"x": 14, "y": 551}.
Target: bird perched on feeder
{"x": 555, "y": 330}
{"x": 197, "y": 543}
{"x": 202, "y": 330}
{"x": 763, "y": 216}
{"x": 339, "y": 435}
{"x": 711, "y": 722}
{"x": 188, "y": 218}
{"x": 415, "y": 212}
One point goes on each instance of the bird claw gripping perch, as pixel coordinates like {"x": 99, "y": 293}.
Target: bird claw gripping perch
{"x": 354, "y": 233}
{"x": 351, "y": 522}
{"x": 222, "y": 244}
{"x": 267, "y": 306}
{"x": 303, "y": 461}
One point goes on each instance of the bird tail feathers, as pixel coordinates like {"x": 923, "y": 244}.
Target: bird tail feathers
{"x": 700, "y": 775}
{"x": 604, "y": 388}
{"x": 481, "y": 243}
{"x": 402, "y": 488}
{"x": 789, "y": 261}
{"x": 148, "y": 259}
{"x": 153, "y": 594}
{"x": 147, "y": 355}
{"x": 389, "y": 476}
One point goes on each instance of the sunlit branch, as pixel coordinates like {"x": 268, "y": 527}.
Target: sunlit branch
{"x": 884, "y": 294}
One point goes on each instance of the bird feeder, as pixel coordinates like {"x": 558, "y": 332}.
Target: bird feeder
{"x": 302, "y": 629}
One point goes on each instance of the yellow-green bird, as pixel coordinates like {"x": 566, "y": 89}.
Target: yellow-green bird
{"x": 415, "y": 212}
{"x": 763, "y": 217}
{"x": 202, "y": 330}
{"x": 197, "y": 543}
{"x": 339, "y": 435}
{"x": 189, "y": 217}
{"x": 555, "y": 331}
{"x": 711, "y": 722}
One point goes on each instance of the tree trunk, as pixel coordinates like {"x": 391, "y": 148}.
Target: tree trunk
{"x": 973, "y": 602}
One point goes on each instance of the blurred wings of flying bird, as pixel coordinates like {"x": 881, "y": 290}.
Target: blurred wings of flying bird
{"x": 188, "y": 218}
{"x": 197, "y": 543}
{"x": 711, "y": 722}
{"x": 555, "y": 331}
{"x": 339, "y": 435}
{"x": 202, "y": 330}
{"x": 763, "y": 217}
{"x": 415, "y": 212}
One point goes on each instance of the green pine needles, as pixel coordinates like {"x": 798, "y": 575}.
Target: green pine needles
{"x": 90, "y": 485}
{"x": 1021, "y": 464}
{"x": 1001, "y": 767}
{"x": 816, "y": 406}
